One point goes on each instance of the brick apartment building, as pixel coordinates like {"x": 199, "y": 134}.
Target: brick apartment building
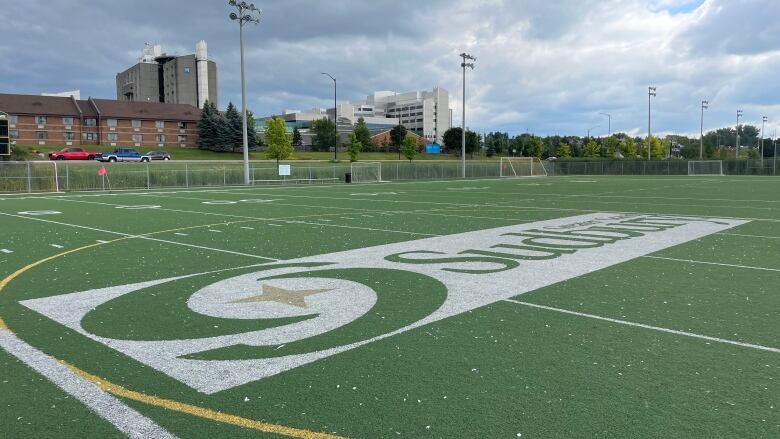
{"x": 65, "y": 121}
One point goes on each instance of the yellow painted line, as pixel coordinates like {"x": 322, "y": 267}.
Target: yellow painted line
{"x": 172, "y": 405}
{"x": 199, "y": 412}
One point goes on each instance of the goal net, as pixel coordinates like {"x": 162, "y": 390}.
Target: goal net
{"x": 366, "y": 172}
{"x": 705, "y": 167}
{"x": 522, "y": 167}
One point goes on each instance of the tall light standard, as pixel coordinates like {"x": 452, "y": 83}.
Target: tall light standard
{"x": 609, "y": 123}
{"x": 335, "y": 118}
{"x": 763, "y": 125}
{"x": 591, "y": 128}
{"x": 247, "y": 13}
{"x": 704, "y": 106}
{"x": 464, "y": 64}
{"x": 739, "y": 115}
{"x": 650, "y": 93}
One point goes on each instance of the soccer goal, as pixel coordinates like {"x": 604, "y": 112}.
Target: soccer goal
{"x": 705, "y": 167}
{"x": 522, "y": 167}
{"x": 366, "y": 172}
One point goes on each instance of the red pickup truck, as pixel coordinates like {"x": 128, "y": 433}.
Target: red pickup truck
{"x": 73, "y": 154}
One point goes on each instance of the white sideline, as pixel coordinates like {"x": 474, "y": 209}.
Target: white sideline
{"x": 108, "y": 407}
{"x": 749, "y": 236}
{"x": 712, "y": 263}
{"x": 644, "y": 326}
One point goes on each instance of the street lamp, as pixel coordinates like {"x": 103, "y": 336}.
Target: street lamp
{"x": 704, "y": 106}
{"x": 335, "y": 118}
{"x": 739, "y": 115}
{"x": 247, "y": 13}
{"x": 650, "y": 93}
{"x": 609, "y": 121}
{"x": 591, "y": 128}
{"x": 464, "y": 64}
{"x": 763, "y": 125}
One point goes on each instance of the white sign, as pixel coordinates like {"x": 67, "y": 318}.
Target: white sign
{"x": 284, "y": 170}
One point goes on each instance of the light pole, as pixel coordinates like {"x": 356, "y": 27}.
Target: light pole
{"x": 609, "y": 122}
{"x": 247, "y": 13}
{"x": 704, "y": 106}
{"x": 335, "y": 118}
{"x": 591, "y": 128}
{"x": 464, "y": 64}
{"x": 763, "y": 125}
{"x": 650, "y": 93}
{"x": 739, "y": 114}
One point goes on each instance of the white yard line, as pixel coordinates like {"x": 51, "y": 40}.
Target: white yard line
{"x": 749, "y": 236}
{"x": 57, "y": 246}
{"x": 148, "y": 238}
{"x": 712, "y": 263}
{"x": 6, "y": 251}
{"x": 125, "y": 419}
{"x": 644, "y": 326}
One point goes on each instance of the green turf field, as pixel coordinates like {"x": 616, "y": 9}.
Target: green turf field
{"x": 558, "y": 307}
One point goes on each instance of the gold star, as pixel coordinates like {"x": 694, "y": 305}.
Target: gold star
{"x": 280, "y": 295}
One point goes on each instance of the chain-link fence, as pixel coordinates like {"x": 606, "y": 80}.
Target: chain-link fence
{"x": 39, "y": 176}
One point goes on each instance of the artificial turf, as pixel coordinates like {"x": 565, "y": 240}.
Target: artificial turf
{"x": 499, "y": 371}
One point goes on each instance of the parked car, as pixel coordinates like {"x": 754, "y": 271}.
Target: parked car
{"x": 123, "y": 155}
{"x": 159, "y": 155}
{"x": 73, "y": 154}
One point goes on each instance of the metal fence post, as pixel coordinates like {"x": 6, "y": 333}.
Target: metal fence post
{"x": 186, "y": 175}
{"x": 148, "y": 178}
{"x": 29, "y": 178}
{"x": 56, "y": 178}
{"x": 67, "y": 177}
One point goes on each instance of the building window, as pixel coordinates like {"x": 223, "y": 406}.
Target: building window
{"x": 13, "y": 120}
{"x": 136, "y": 123}
{"x": 41, "y": 135}
{"x": 113, "y": 137}
{"x": 183, "y": 139}
{"x": 14, "y": 134}
{"x": 40, "y": 120}
{"x": 187, "y": 70}
{"x": 68, "y": 135}
{"x": 159, "y": 124}
{"x": 67, "y": 121}
{"x": 160, "y": 138}
{"x": 138, "y": 138}
{"x": 90, "y": 137}
{"x": 90, "y": 122}
{"x": 183, "y": 125}
{"x": 111, "y": 123}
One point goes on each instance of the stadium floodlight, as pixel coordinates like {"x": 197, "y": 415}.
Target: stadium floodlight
{"x": 704, "y": 106}
{"x": 470, "y": 65}
{"x": 609, "y": 123}
{"x": 335, "y": 117}
{"x": 739, "y": 115}
{"x": 246, "y": 13}
{"x": 650, "y": 93}
{"x": 763, "y": 125}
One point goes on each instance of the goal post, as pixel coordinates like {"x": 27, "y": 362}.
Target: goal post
{"x": 522, "y": 167}
{"x": 705, "y": 167}
{"x": 366, "y": 172}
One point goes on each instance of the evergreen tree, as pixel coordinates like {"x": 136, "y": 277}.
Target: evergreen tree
{"x": 207, "y": 127}
{"x": 323, "y": 134}
{"x": 591, "y": 149}
{"x": 363, "y": 134}
{"x": 397, "y": 136}
{"x": 233, "y": 133}
{"x": 297, "y": 139}
{"x": 353, "y": 147}
{"x": 564, "y": 151}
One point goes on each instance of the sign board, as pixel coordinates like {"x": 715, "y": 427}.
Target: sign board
{"x": 433, "y": 148}
{"x": 5, "y": 139}
{"x": 284, "y": 170}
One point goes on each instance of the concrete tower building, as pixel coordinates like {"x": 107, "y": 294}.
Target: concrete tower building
{"x": 188, "y": 79}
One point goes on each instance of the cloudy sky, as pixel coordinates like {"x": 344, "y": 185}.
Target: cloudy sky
{"x": 543, "y": 66}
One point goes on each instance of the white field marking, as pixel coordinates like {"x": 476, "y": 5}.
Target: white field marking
{"x": 254, "y": 218}
{"x": 108, "y": 407}
{"x": 57, "y": 246}
{"x": 220, "y": 202}
{"x": 246, "y": 228}
{"x": 275, "y": 225}
{"x": 39, "y": 212}
{"x": 181, "y": 234}
{"x": 215, "y": 231}
{"x": 749, "y": 236}
{"x": 144, "y": 237}
{"x": 326, "y": 220}
{"x": 101, "y": 241}
{"x": 139, "y": 207}
{"x": 5, "y": 250}
{"x": 644, "y": 326}
{"x": 713, "y": 263}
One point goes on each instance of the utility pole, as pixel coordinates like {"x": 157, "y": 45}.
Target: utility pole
{"x": 739, "y": 115}
{"x": 247, "y": 13}
{"x": 763, "y": 125}
{"x": 650, "y": 93}
{"x": 464, "y": 64}
{"x": 704, "y": 106}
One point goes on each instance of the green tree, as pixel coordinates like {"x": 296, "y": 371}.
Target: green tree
{"x": 253, "y": 140}
{"x": 629, "y": 148}
{"x": 207, "y": 127}
{"x": 535, "y": 147}
{"x": 397, "y": 136}
{"x": 353, "y": 147}
{"x": 279, "y": 142}
{"x": 452, "y": 138}
{"x": 657, "y": 150}
{"x": 409, "y": 147}
{"x": 611, "y": 145}
{"x": 564, "y": 151}
{"x": 233, "y": 130}
{"x": 323, "y": 138}
{"x": 363, "y": 134}
{"x": 297, "y": 139}
{"x": 591, "y": 150}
